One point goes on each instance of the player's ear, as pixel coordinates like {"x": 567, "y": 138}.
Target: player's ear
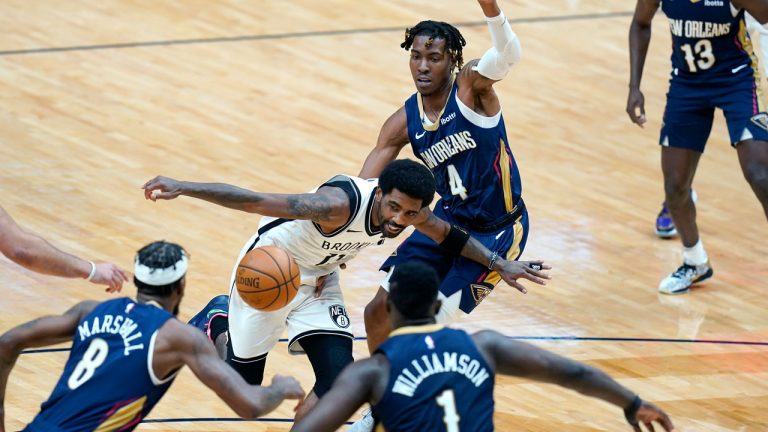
{"x": 379, "y": 193}
{"x": 437, "y": 305}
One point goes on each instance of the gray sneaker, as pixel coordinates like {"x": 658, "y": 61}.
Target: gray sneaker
{"x": 363, "y": 424}
{"x": 686, "y": 275}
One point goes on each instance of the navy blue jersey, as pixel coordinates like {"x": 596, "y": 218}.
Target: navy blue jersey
{"x": 709, "y": 39}
{"x": 469, "y": 155}
{"x": 108, "y": 382}
{"x": 438, "y": 381}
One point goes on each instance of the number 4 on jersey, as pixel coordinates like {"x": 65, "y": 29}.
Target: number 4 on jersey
{"x": 454, "y": 181}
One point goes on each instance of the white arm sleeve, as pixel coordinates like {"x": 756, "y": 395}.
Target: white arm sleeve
{"x": 506, "y": 50}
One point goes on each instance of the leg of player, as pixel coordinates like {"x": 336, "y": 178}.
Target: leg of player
{"x": 679, "y": 166}
{"x": 329, "y": 355}
{"x": 753, "y": 157}
{"x": 377, "y": 327}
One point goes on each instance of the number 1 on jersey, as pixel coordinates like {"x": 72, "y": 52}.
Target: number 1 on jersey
{"x": 454, "y": 181}
{"x": 451, "y": 417}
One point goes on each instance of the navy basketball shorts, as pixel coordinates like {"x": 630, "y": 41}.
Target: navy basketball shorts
{"x": 691, "y": 105}
{"x": 464, "y": 283}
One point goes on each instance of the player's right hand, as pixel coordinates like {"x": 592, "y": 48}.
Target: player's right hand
{"x": 288, "y": 386}
{"x": 510, "y": 271}
{"x": 161, "y": 188}
{"x": 636, "y": 106}
{"x": 111, "y": 275}
{"x": 649, "y": 413}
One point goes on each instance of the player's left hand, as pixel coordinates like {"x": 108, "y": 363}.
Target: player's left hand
{"x": 649, "y": 413}
{"x": 111, "y": 275}
{"x": 511, "y": 271}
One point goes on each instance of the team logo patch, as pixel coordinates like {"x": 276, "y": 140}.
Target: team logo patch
{"x": 761, "y": 120}
{"x": 479, "y": 292}
{"x": 339, "y": 315}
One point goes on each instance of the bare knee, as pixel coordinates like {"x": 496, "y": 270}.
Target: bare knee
{"x": 757, "y": 176}
{"x": 677, "y": 191}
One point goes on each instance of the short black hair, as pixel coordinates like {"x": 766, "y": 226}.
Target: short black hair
{"x": 410, "y": 178}
{"x": 413, "y": 289}
{"x": 159, "y": 255}
{"x": 454, "y": 41}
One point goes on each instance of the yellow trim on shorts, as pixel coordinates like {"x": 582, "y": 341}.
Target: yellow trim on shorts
{"x": 746, "y": 43}
{"x": 493, "y": 277}
{"x": 505, "y": 176}
{"x": 123, "y": 416}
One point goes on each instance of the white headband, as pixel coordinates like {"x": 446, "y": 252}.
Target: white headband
{"x": 161, "y": 276}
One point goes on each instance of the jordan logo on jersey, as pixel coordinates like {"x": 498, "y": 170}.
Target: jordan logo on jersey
{"x": 479, "y": 292}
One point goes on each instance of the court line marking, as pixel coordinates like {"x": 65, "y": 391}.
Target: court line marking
{"x": 540, "y": 338}
{"x": 294, "y": 35}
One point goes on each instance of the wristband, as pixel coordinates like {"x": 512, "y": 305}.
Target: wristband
{"x": 455, "y": 240}
{"x": 93, "y": 271}
{"x": 494, "y": 257}
{"x": 630, "y": 412}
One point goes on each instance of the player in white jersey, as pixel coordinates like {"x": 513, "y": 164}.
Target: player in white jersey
{"x": 322, "y": 230}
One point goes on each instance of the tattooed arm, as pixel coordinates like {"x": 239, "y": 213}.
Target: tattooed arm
{"x": 329, "y": 206}
{"x": 178, "y": 344}
{"x": 36, "y": 333}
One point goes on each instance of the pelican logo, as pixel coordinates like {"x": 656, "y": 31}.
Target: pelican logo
{"x": 479, "y": 292}
{"x": 761, "y": 120}
{"x": 339, "y": 315}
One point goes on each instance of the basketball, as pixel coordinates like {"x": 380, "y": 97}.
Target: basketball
{"x": 267, "y": 278}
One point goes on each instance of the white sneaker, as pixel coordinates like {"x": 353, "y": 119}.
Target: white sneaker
{"x": 363, "y": 424}
{"x": 686, "y": 275}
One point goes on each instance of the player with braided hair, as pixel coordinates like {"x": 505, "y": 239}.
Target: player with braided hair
{"x": 454, "y": 41}
{"x": 454, "y": 125}
{"x": 126, "y": 353}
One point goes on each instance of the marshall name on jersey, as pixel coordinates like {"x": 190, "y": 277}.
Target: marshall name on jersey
{"x": 113, "y": 324}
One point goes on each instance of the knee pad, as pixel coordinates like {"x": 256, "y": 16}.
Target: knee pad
{"x": 329, "y": 355}
{"x": 252, "y": 369}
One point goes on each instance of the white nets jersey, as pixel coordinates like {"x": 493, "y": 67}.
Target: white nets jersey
{"x": 318, "y": 253}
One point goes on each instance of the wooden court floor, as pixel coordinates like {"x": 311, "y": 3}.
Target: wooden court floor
{"x": 279, "y": 95}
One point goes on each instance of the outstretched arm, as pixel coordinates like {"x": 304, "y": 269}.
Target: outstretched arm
{"x": 329, "y": 206}
{"x": 35, "y": 253}
{"x": 512, "y": 357}
{"x": 477, "y": 77}
{"x": 392, "y": 138}
{"x": 197, "y": 352}
{"x": 353, "y": 387}
{"x": 639, "y": 39}
{"x": 36, "y": 333}
{"x": 458, "y": 241}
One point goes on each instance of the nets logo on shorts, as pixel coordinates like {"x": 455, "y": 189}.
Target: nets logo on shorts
{"x": 339, "y": 315}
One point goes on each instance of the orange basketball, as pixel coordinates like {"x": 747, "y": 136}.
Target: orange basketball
{"x": 267, "y": 278}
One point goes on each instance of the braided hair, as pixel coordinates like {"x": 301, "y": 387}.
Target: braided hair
{"x": 159, "y": 255}
{"x": 454, "y": 41}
